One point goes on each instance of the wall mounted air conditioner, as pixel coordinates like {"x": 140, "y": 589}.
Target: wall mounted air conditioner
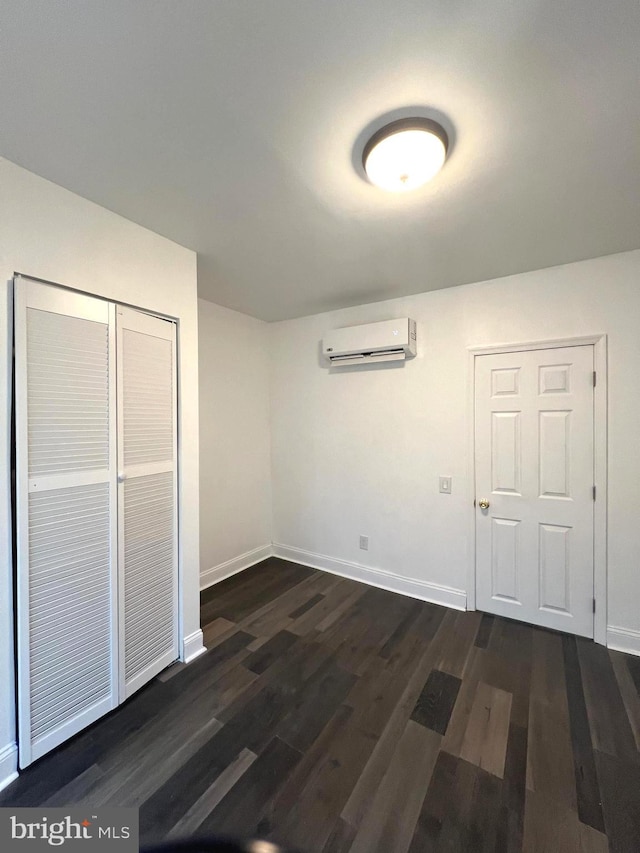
{"x": 389, "y": 340}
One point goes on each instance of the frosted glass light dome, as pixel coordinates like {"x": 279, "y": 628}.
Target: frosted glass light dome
{"x": 405, "y": 154}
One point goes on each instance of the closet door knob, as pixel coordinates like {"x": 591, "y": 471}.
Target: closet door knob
{"x": 121, "y": 476}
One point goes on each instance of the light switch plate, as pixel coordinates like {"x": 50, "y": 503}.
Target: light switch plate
{"x": 445, "y": 485}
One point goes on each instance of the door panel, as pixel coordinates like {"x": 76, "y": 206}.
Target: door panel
{"x": 554, "y": 429}
{"x": 506, "y": 467}
{"x": 555, "y": 567}
{"x": 149, "y": 631}
{"x": 534, "y": 463}
{"x": 147, "y": 497}
{"x": 505, "y": 537}
{"x": 66, "y": 521}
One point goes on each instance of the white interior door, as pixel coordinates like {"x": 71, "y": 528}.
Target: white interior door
{"x": 66, "y": 513}
{"x": 534, "y": 466}
{"x": 147, "y": 497}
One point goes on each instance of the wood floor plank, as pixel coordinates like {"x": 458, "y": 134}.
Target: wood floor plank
{"x": 76, "y": 788}
{"x": 139, "y": 782}
{"x": 620, "y": 787}
{"x": 455, "y": 830}
{"x": 206, "y": 663}
{"x": 215, "y": 629}
{"x": 339, "y": 600}
{"x": 257, "y": 643}
{"x": 435, "y": 806}
{"x": 459, "y": 720}
{"x": 316, "y": 705}
{"x": 174, "y": 796}
{"x": 222, "y": 598}
{"x": 308, "y": 806}
{"x": 267, "y": 654}
{"x": 353, "y": 621}
{"x": 408, "y": 665}
{"x": 483, "y": 831}
{"x": 275, "y": 613}
{"x": 229, "y": 687}
{"x": 326, "y": 791}
{"x": 191, "y": 821}
{"x": 629, "y": 694}
{"x": 396, "y": 806}
{"x": 507, "y": 665}
{"x": 456, "y": 653}
{"x": 379, "y": 618}
{"x": 341, "y": 838}
{"x": 427, "y": 632}
{"x": 485, "y": 740}
{"x": 381, "y": 625}
{"x": 511, "y": 819}
{"x": 587, "y": 788}
{"x": 319, "y": 802}
{"x": 265, "y": 582}
{"x": 484, "y": 631}
{"x": 172, "y": 670}
{"x": 550, "y": 768}
{"x": 236, "y": 585}
{"x": 550, "y": 826}
{"x": 548, "y": 685}
{"x": 608, "y": 720}
{"x": 241, "y": 810}
{"x": 412, "y": 614}
{"x": 291, "y": 672}
{"x": 311, "y": 602}
{"x": 633, "y": 664}
{"x": 435, "y": 703}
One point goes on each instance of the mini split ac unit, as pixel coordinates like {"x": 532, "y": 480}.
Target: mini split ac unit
{"x": 389, "y": 340}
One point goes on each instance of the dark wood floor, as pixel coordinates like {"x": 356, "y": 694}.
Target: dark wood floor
{"x": 334, "y": 717}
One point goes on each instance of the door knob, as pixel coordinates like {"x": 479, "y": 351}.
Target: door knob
{"x": 121, "y": 476}
{"x": 483, "y": 504}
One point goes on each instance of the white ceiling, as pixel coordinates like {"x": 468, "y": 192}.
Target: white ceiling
{"x": 232, "y": 127}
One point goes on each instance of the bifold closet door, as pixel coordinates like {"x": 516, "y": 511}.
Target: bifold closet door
{"x": 66, "y": 513}
{"x": 147, "y": 497}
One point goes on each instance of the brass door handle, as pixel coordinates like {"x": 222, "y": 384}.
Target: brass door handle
{"x": 483, "y": 504}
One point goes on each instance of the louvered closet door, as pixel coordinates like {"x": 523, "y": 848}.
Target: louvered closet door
{"x": 66, "y": 513}
{"x": 147, "y": 497}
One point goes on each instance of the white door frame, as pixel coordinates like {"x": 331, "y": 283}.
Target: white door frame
{"x": 599, "y": 343}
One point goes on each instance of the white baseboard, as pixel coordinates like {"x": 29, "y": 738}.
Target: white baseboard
{"x": 232, "y": 567}
{"x": 193, "y": 646}
{"x": 8, "y": 765}
{"x": 623, "y": 640}
{"x": 425, "y": 591}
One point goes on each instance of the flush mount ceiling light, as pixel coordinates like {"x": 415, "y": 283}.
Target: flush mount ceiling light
{"x": 405, "y": 154}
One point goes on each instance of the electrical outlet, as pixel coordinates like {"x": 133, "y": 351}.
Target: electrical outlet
{"x": 445, "y": 485}
{"x": 364, "y": 543}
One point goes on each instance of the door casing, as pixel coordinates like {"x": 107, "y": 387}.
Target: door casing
{"x": 599, "y": 343}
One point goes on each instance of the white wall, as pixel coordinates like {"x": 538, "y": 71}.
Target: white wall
{"x": 235, "y": 456}
{"x": 50, "y": 233}
{"x": 360, "y": 451}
